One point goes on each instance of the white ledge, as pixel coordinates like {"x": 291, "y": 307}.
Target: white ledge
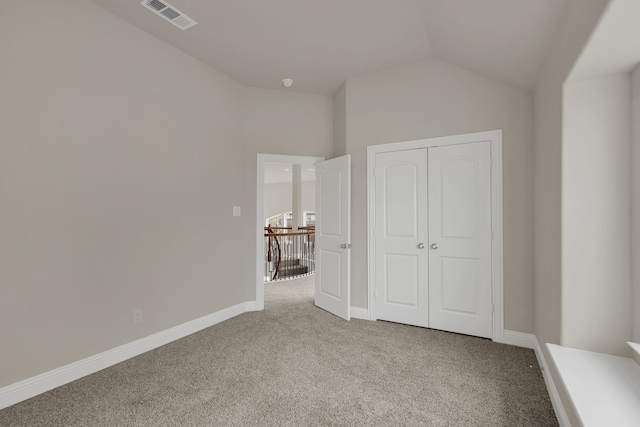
{"x": 635, "y": 347}
{"x": 604, "y": 389}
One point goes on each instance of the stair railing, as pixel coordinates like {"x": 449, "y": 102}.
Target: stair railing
{"x": 288, "y": 254}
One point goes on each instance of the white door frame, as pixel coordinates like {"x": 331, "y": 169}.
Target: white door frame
{"x": 495, "y": 137}
{"x": 262, "y": 159}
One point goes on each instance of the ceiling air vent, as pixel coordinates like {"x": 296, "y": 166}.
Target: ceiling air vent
{"x": 169, "y": 13}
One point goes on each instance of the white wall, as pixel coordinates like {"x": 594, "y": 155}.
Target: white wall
{"x": 596, "y": 222}
{"x": 277, "y": 198}
{"x": 429, "y": 99}
{"x": 635, "y": 200}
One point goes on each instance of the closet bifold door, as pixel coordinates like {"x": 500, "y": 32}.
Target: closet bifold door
{"x": 460, "y": 239}
{"x": 401, "y": 254}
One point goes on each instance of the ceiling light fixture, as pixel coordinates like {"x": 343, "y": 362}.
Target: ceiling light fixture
{"x": 287, "y": 82}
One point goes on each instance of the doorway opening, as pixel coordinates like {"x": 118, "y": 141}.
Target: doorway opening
{"x": 289, "y": 224}
{"x": 272, "y": 207}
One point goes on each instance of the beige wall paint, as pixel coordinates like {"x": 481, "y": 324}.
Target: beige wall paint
{"x": 113, "y": 149}
{"x": 578, "y": 24}
{"x": 596, "y": 222}
{"x": 120, "y": 160}
{"x": 288, "y": 123}
{"x": 340, "y": 121}
{"x": 635, "y": 203}
{"x": 430, "y": 99}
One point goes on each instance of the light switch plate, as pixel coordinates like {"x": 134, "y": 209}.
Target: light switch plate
{"x": 236, "y": 211}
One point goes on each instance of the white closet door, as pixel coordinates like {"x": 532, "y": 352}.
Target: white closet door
{"x": 401, "y": 264}
{"x": 460, "y": 239}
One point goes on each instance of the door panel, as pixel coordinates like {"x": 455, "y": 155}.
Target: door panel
{"x": 458, "y": 198}
{"x": 460, "y": 239}
{"x": 331, "y": 265}
{"x": 333, "y": 235}
{"x": 458, "y": 285}
{"x": 330, "y": 183}
{"x": 401, "y": 281}
{"x": 401, "y": 182}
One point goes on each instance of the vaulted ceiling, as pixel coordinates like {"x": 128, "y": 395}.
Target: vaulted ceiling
{"x": 320, "y": 44}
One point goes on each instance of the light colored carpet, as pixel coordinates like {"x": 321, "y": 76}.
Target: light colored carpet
{"x": 296, "y": 365}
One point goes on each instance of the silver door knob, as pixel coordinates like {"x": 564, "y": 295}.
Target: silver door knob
{"x": 343, "y": 246}
{"x": 420, "y": 245}
{"x": 434, "y": 246}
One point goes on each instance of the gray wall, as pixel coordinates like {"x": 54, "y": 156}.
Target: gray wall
{"x": 340, "y": 121}
{"x": 429, "y": 99}
{"x": 578, "y": 23}
{"x": 110, "y": 185}
{"x": 596, "y": 220}
{"x": 120, "y": 160}
{"x": 635, "y": 203}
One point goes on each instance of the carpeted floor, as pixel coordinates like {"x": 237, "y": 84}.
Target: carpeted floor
{"x": 296, "y": 365}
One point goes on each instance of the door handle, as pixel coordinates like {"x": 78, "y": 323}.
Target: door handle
{"x": 343, "y": 246}
{"x": 434, "y": 246}
{"x": 420, "y": 245}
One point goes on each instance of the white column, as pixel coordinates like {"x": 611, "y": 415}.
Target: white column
{"x": 296, "y": 197}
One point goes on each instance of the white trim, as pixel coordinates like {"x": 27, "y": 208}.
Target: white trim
{"x": 359, "y": 313}
{"x": 497, "y": 228}
{"x": 558, "y": 407}
{"x": 26, "y": 389}
{"x": 519, "y": 339}
{"x": 635, "y": 347}
{"x": 262, "y": 159}
{"x": 495, "y": 137}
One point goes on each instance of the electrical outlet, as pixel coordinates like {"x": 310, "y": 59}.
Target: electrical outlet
{"x": 137, "y": 316}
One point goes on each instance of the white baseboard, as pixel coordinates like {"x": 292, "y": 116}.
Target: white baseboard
{"x": 561, "y": 414}
{"x": 251, "y": 306}
{"x": 26, "y": 389}
{"x": 519, "y": 339}
{"x": 359, "y": 313}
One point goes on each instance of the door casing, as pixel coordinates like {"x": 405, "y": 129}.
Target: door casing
{"x": 495, "y": 138}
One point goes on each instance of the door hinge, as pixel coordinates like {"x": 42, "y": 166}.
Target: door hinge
{"x": 493, "y": 308}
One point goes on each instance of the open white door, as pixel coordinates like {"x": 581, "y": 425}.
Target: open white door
{"x": 333, "y": 235}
